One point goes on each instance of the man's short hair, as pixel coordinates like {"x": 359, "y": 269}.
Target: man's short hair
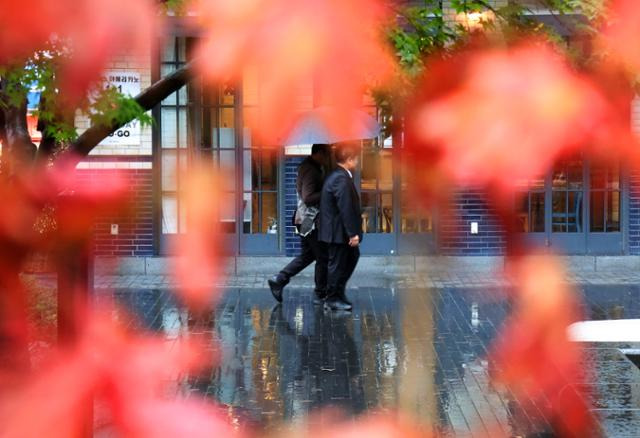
{"x": 345, "y": 151}
{"x": 320, "y": 148}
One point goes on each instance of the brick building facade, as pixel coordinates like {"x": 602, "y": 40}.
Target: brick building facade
{"x": 131, "y": 160}
{"x": 574, "y": 216}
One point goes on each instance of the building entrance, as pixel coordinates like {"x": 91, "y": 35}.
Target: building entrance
{"x": 577, "y": 208}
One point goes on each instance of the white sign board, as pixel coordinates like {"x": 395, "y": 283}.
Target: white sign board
{"x": 127, "y": 83}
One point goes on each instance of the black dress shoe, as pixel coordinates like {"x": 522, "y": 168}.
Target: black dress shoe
{"x": 343, "y": 297}
{"x": 319, "y": 296}
{"x": 336, "y": 304}
{"x": 276, "y": 288}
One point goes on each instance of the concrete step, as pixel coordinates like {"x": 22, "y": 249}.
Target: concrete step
{"x": 375, "y": 265}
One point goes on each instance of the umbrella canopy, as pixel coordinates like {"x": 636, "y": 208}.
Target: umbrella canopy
{"x": 319, "y": 126}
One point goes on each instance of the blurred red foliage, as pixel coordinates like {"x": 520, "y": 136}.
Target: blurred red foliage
{"x": 375, "y": 426}
{"x": 23, "y": 202}
{"x": 91, "y": 30}
{"x": 336, "y": 43}
{"x": 127, "y": 373}
{"x": 618, "y": 38}
{"x": 490, "y": 117}
{"x": 533, "y": 355}
{"x": 199, "y": 250}
{"x": 497, "y": 117}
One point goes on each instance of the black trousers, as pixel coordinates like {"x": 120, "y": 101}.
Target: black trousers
{"x": 312, "y": 251}
{"x": 342, "y": 262}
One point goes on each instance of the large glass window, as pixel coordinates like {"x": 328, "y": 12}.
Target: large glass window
{"x": 568, "y": 193}
{"x": 376, "y": 184}
{"x": 173, "y": 140}
{"x": 604, "y": 209}
{"x": 530, "y": 206}
{"x": 567, "y": 185}
{"x": 260, "y": 168}
{"x": 414, "y": 217}
{"x": 219, "y": 139}
{"x": 216, "y": 124}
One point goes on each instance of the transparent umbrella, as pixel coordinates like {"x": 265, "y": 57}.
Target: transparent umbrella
{"x": 315, "y": 126}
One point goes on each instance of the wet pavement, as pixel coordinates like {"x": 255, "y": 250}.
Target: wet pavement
{"x": 423, "y": 351}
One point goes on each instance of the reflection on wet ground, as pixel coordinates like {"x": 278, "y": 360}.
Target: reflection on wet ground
{"x": 422, "y": 351}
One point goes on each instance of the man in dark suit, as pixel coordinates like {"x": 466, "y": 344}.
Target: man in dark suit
{"x": 309, "y": 186}
{"x": 341, "y": 225}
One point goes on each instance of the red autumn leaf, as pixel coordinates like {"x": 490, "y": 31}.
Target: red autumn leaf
{"x": 533, "y": 355}
{"x": 328, "y": 424}
{"x": 92, "y": 30}
{"x": 21, "y": 32}
{"x": 199, "y": 250}
{"x": 98, "y": 31}
{"x": 497, "y": 117}
{"x": 287, "y": 44}
{"x": 128, "y": 374}
{"x": 619, "y": 36}
{"x": 166, "y": 418}
{"x": 79, "y": 203}
{"x": 17, "y": 214}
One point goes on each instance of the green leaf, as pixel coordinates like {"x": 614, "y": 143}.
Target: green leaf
{"x": 113, "y": 108}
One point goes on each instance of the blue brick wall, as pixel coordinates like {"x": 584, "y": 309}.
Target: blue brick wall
{"x": 292, "y": 241}
{"x": 455, "y": 236}
{"x": 634, "y": 213}
{"x": 135, "y": 235}
{"x": 466, "y": 206}
{"x": 454, "y": 230}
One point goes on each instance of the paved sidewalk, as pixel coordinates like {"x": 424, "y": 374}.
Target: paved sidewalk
{"x": 416, "y": 342}
{"x": 424, "y": 352}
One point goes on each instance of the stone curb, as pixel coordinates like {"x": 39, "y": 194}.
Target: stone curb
{"x": 377, "y": 265}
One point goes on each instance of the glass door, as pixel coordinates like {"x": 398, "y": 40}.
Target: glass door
{"x": 605, "y": 210}
{"x": 375, "y": 179}
{"x": 392, "y": 222}
{"x": 568, "y": 183}
{"x": 531, "y": 210}
{"x": 202, "y": 122}
{"x": 172, "y": 153}
{"x": 415, "y": 222}
{"x": 261, "y": 180}
{"x": 215, "y": 119}
{"x": 575, "y": 209}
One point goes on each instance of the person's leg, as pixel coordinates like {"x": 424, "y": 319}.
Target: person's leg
{"x": 321, "y": 253}
{"x": 278, "y": 282}
{"x": 354, "y": 256}
{"x": 335, "y": 265}
{"x": 351, "y": 261}
{"x": 345, "y": 273}
{"x": 338, "y": 257}
{"x": 332, "y": 267}
{"x": 299, "y": 263}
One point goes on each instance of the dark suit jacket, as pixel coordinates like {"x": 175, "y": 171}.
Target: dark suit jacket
{"x": 340, "y": 216}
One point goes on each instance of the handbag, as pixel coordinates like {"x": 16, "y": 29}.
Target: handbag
{"x": 306, "y": 218}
